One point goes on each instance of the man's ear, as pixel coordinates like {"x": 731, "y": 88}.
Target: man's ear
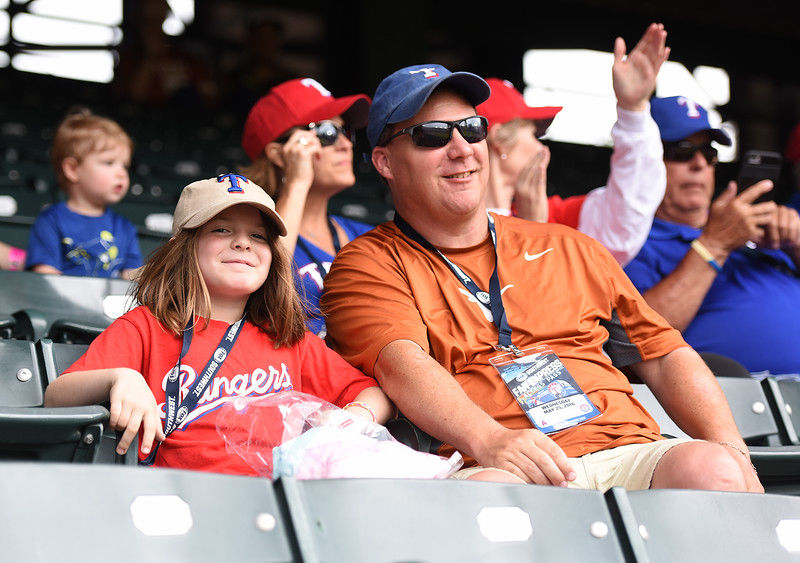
{"x": 69, "y": 167}
{"x": 274, "y": 152}
{"x": 382, "y": 162}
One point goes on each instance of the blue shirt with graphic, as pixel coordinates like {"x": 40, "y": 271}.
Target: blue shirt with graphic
{"x": 751, "y": 312}
{"x": 308, "y": 278}
{"x": 79, "y": 245}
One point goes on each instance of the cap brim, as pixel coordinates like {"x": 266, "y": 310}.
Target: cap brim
{"x": 204, "y": 215}
{"x": 353, "y": 109}
{"x": 720, "y": 136}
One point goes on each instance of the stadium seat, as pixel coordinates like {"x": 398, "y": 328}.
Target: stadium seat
{"x": 783, "y": 395}
{"x": 703, "y": 526}
{"x": 724, "y": 366}
{"x": 30, "y": 431}
{"x": 16, "y": 230}
{"x": 644, "y": 395}
{"x": 72, "y": 332}
{"x": 69, "y": 513}
{"x": 447, "y": 520}
{"x": 64, "y": 434}
{"x": 150, "y": 240}
{"x": 778, "y": 465}
{"x": 22, "y": 379}
{"x": 754, "y": 418}
{"x": 748, "y": 404}
{"x": 408, "y": 433}
{"x": 39, "y": 300}
{"x": 57, "y": 356}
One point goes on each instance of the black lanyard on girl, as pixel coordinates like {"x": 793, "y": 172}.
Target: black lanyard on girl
{"x": 175, "y": 413}
{"x": 336, "y": 248}
{"x": 493, "y": 299}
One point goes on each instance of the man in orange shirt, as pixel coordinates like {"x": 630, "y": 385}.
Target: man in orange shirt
{"x": 504, "y": 338}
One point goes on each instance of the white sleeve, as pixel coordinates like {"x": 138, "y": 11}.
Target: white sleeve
{"x": 620, "y": 214}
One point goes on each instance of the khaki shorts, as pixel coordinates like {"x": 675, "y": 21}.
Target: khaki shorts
{"x": 630, "y": 466}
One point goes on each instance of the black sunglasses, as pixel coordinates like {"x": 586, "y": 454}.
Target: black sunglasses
{"x": 683, "y": 151}
{"x": 439, "y": 133}
{"x": 327, "y": 132}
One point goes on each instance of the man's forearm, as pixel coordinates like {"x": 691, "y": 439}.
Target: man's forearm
{"x": 691, "y": 396}
{"x": 429, "y": 396}
{"x": 679, "y": 295}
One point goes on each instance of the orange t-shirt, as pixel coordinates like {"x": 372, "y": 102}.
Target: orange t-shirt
{"x": 559, "y": 287}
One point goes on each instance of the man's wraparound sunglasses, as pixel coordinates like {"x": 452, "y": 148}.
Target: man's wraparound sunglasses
{"x": 327, "y": 132}
{"x": 438, "y": 133}
{"x": 683, "y": 151}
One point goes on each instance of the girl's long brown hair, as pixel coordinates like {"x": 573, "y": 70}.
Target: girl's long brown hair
{"x": 171, "y": 286}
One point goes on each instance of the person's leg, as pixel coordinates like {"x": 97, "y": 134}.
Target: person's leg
{"x": 630, "y": 466}
{"x": 704, "y": 465}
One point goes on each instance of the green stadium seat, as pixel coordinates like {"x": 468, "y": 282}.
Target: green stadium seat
{"x": 63, "y": 434}
{"x": 39, "y": 300}
{"x": 706, "y": 526}
{"x": 778, "y": 465}
{"x": 748, "y": 403}
{"x": 16, "y": 230}
{"x": 69, "y": 513}
{"x": 57, "y": 356}
{"x": 22, "y": 378}
{"x": 447, "y": 520}
{"x": 783, "y": 395}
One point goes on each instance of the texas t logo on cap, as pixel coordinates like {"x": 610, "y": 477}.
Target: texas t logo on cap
{"x": 691, "y": 107}
{"x": 426, "y": 72}
{"x": 234, "y": 179}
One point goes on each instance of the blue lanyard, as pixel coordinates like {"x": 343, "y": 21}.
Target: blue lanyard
{"x": 493, "y": 299}
{"x": 337, "y": 246}
{"x": 176, "y": 413}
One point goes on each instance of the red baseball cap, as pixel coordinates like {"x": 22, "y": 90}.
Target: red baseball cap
{"x": 507, "y": 103}
{"x": 295, "y": 103}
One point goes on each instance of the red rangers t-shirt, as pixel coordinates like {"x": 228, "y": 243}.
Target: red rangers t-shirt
{"x": 254, "y": 368}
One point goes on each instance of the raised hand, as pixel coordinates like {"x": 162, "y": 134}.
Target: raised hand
{"x": 530, "y": 190}
{"x": 634, "y": 75}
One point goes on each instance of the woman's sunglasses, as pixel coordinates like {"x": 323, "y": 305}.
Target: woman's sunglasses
{"x": 683, "y": 151}
{"x": 327, "y": 132}
{"x": 439, "y": 133}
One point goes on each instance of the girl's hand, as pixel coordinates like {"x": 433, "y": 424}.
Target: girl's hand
{"x": 133, "y": 407}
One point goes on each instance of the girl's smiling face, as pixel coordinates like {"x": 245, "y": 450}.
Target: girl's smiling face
{"x": 234, "y": 254}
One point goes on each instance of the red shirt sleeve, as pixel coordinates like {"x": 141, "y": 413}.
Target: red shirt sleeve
{"x": 328, "y": 376}
{"x": 565, "y": 211}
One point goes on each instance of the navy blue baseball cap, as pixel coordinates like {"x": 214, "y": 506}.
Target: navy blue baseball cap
{"x": 402, "y": 94}
{"x": 679, "y": 117}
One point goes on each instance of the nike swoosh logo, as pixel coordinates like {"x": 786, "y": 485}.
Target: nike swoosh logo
{"x": 530, "y": 257}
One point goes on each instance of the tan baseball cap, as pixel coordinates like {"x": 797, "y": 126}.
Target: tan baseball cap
{"x": 203, "y": 199}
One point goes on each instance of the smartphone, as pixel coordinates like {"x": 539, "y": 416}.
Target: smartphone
{"x": 760, "y": 165}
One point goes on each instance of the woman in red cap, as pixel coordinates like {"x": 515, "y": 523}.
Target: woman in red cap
{"x": 299, "y": 138}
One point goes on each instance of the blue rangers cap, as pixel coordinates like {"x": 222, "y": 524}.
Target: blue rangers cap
{"x": 678, "y": 117}
{"x": 402, "y": 94}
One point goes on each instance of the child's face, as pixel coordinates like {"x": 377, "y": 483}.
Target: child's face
{"x": 234, "y": 253}
{"x": 101, "y": 178}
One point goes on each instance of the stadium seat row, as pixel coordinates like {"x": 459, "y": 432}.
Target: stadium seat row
{"x": 63, "y": 308}
{"x": 68, "y": 512}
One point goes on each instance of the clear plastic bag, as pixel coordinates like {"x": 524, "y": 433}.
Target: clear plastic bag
{"x": 299, "y": 435}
